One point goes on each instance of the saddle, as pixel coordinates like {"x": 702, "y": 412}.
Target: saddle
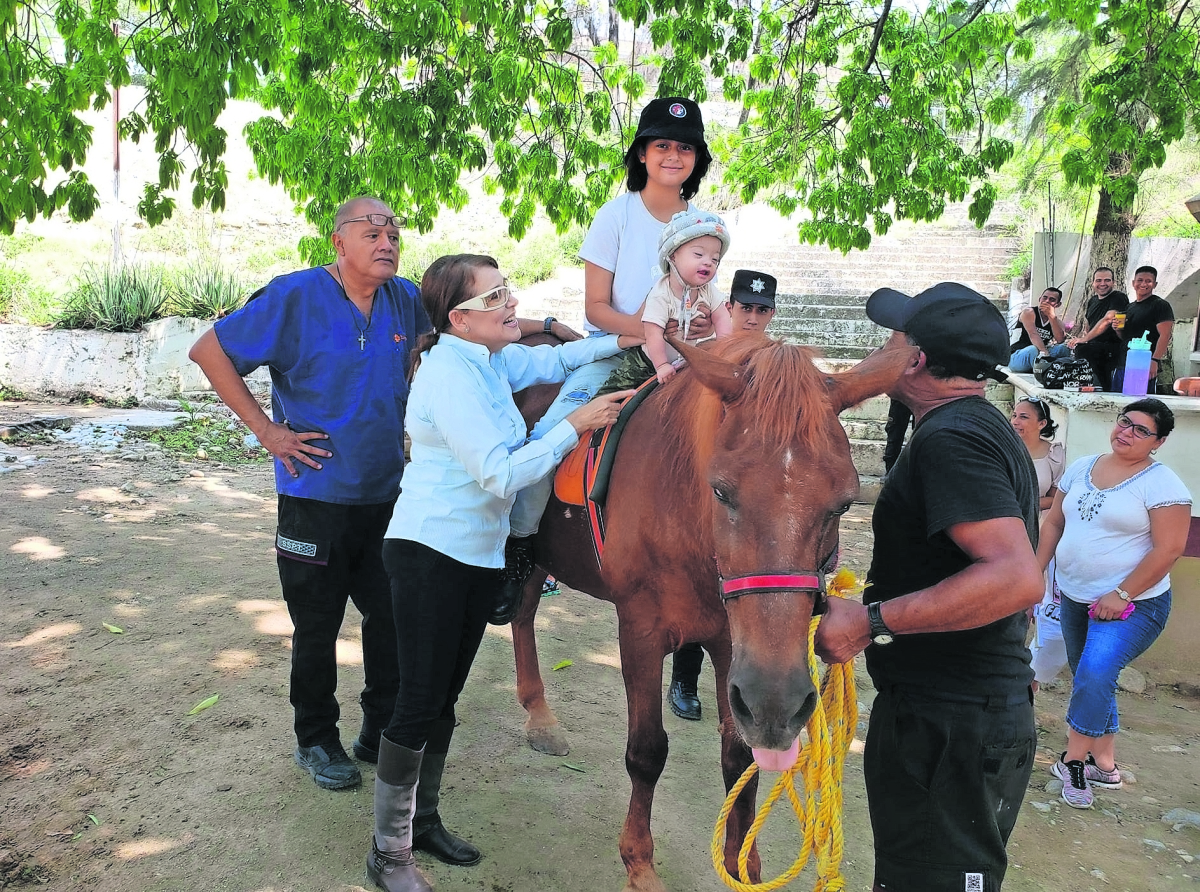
{"x": 583, "y": 476}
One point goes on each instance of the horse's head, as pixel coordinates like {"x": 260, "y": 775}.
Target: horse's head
{"x": 779, "y": 471}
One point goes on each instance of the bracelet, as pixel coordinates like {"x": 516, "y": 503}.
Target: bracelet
{"x": 547, "y": 323}
{"x": 661, "y": 364}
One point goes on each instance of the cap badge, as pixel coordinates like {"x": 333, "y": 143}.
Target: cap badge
{"x": 677, "y": 110}
{"x": 757, "y": 286}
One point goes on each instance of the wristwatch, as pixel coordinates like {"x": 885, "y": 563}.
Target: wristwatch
{"x": 546, "y": 325}
{"x": 1122, "y": 594}
{"x": 880, "y": 633}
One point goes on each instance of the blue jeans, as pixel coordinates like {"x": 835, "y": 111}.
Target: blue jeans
{"x": 579, "y": 388}
{"x": 1023, "y": 359}
{"x": 1098, "y": 650}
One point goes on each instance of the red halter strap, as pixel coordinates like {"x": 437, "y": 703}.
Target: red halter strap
{"x": 804, "y": 581}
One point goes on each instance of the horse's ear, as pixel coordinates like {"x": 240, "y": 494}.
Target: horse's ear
{"x": 873, "y": 376}
{"x": 727, "y": 379}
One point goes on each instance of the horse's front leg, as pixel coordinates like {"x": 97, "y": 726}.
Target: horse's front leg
{"x": 645, "y": 750}
{"x": 541, "y": 724}
{"x": 735, "y": 759}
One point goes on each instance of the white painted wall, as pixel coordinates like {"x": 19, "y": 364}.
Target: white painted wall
{"x": 149, "y": 363}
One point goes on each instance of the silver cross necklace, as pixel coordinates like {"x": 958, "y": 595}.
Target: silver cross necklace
{"x": 362, "y": 332}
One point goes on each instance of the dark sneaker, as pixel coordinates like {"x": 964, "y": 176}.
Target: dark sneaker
{"x": 329, "y": 765}
{"x": 684, "y": 700}
{"x": 550, "y": 587}
{"x": 1075, "y": 792}
{"x": 366, "y": 750}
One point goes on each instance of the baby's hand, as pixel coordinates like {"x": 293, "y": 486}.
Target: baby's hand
{"x": 665, "y": 372}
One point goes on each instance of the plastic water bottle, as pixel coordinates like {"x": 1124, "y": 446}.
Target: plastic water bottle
{"x": 1137, "y": 368}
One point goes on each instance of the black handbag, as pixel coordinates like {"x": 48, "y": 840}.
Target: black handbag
{"x": 1064, "y": 374}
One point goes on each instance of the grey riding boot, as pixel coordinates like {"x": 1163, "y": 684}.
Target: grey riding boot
{"x": 429, "y": 834}
{"x": 390, "y": 866}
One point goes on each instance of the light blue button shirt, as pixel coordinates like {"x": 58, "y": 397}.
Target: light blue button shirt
{"x": 470, "y": 452}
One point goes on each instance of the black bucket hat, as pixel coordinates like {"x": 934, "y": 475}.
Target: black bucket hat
{"x": 673, "y": 117}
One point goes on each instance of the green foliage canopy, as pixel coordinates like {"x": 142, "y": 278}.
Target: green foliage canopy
{"x": 859, "y": 112}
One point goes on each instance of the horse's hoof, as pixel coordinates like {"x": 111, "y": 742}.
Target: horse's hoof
{"x": 552, "y": 740}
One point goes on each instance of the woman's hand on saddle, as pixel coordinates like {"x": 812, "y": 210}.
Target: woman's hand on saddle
{"x": 843, "y": 632}
{"x": 600, "y": 412}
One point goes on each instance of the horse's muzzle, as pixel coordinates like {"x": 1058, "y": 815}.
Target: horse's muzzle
{"x": 772, "y": 703}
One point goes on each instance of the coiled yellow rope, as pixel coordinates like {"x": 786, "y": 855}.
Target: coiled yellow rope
{"x": 820, "y": 764}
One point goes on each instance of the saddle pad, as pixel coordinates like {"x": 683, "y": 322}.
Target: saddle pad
{"x": 568, "y": 479}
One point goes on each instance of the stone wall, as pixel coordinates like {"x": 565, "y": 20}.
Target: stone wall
{"x": 71, "y": 362}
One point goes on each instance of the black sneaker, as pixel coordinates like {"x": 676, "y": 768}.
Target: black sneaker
{"x": 518, "y": 567}
{"x": 684, "y": 700}
{"x": 329, "y": 765}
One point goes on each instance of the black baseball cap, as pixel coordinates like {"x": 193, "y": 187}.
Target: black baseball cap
{"x": 672, "y": 117}
{"x": 750, "y": 287}
{"x": 957, "y": 327}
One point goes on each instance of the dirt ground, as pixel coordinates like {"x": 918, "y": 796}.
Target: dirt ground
{"x": 107, "y": 783}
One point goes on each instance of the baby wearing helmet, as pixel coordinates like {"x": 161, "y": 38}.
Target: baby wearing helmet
{"x": 689, "y": 252}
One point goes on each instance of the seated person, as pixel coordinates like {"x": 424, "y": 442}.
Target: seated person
{"x": 689, "y": 253}
{"x": 1099, "y": 344}
{"x": 1042, "y": 333}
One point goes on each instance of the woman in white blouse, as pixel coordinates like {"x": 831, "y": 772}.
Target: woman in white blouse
{"x": 444, "y": 548}
{"x": 1117, "y": 526}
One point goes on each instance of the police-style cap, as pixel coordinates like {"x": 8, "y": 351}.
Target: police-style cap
{"x": 750, "y": 287}
{"x": 957, "y": 328}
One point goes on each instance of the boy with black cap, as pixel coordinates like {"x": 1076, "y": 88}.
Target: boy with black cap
{"x": 951, "y": 738}
{"x": 751, "y": 300}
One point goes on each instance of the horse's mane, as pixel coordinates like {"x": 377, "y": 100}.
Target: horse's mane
{"x": 785, "y": 391}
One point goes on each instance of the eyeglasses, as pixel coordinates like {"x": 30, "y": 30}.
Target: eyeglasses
{"x": 374, "y": 220}
{"x": 1139, "y": 430}
{"x": 1029, "y": 399}
{"x": 495, "y": 299}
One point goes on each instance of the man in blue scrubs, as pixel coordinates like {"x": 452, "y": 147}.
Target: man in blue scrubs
{"x": 336, "y": 339}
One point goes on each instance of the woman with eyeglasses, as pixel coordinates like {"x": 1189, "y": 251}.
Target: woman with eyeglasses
{"x": 1031, "y": 420}
{"x": 1042, "y": 333}
{"x": 444, "y": 548}
{"x": 1117, "y": 526}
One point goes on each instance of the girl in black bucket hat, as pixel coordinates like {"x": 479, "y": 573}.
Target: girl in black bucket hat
{"x": 664, "y": 166}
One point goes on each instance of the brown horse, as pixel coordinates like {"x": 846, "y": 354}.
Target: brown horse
{"x": 723, "y": 509}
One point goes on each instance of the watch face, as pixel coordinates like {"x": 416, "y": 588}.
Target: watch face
{"x": 883, "y": 638}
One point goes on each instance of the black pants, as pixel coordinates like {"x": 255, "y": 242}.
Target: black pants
{"x": 945, "y": 777}
{"x": 1105, "y": 357}
{"x": 442, "y": 608}
{"x": 327, "y": 554}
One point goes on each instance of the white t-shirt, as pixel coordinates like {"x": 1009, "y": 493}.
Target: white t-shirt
{"x": 1107, "y": 531}
{"x": 623, "y": 239}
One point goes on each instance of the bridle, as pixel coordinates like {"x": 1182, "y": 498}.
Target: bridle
{"x": 802, "y": 581}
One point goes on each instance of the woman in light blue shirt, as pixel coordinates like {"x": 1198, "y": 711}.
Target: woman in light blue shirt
{"x": 444, "y": 549}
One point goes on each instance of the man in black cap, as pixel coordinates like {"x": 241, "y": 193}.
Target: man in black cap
{"x": 752, "y": 300}
{"x": 951, "y": 739}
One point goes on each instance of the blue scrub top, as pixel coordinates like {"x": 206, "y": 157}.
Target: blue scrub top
{"x": 307, "y": 331}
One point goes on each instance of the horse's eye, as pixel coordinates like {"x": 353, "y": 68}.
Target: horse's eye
{"x": 838, "y": 512}
{"x": 723, "y": 497}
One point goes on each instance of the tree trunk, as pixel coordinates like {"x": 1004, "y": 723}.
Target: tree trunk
{"x": 1110, "y": 239}
{"x": 614, "y": 22}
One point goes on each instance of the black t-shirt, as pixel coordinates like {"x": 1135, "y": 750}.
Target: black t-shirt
{"x": 1097, "y": 307}
{"x": 963, "y": 463}
{"x": 1142, "y": 318}
{"x": 1040, "y": 324}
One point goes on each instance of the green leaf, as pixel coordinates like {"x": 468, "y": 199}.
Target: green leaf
{"x": 574, "y": 767}
{"x": 94, "y": 820}
{"x": 203, "y": 705}
{"x": 563, "y": 665}
{"x": 116, "y": 630}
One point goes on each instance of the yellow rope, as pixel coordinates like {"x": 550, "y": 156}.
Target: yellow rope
{"x": 820, "y": 764}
